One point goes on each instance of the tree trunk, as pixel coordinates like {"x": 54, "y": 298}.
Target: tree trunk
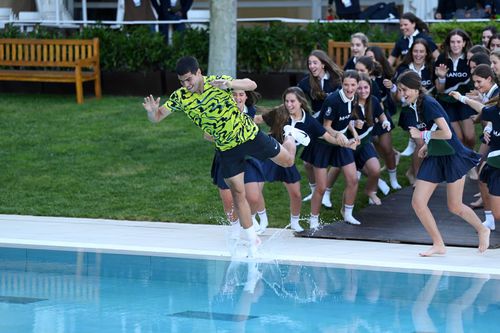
{"x": 222, "y": 54}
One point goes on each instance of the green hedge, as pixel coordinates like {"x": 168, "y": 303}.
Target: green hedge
{"x": 272, "y": 48}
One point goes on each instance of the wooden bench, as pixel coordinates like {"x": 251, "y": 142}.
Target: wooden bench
{"x": 52, "y": 60}
{"x": 340, "y": 52}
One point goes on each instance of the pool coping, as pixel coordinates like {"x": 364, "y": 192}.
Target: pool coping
{"x": 211, "y": 241}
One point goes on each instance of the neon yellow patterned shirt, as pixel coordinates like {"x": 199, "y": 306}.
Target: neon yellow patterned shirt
{"x": 215, "y": 112}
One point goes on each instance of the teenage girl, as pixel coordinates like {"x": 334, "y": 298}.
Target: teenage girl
{"x": 336, "y": 116}
{"x": 293, "y": 118}
{"x": 453, "y": 73}
{"x": 359, "y": 43}
{"x": 323, "y": 78}
{"x": 419, "y": 60}
{"x": 484, "y": 81}
{"x": 412, "y": 28}
{"x": 365, "y": 113}
{"x": 449, "y": 164}
{"x": 382, "y": 135}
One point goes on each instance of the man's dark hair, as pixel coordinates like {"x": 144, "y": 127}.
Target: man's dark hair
{"x": 187, "y": 64}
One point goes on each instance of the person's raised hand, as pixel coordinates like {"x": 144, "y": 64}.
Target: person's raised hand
{"x": 150, "y": 104}
{"x": 221, "y": 84}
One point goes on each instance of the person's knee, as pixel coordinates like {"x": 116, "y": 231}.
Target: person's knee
{"x": 456, "y": 208}
{"x": 320, "y": 187}
{"x": 418, "y": 205}
{"x": 295, "y": 196}
{"x": 351, "y": 180}
{"x": 253, "y": 198}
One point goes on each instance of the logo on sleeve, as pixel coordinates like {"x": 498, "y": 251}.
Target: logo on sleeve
{"x": 328, "y": 111}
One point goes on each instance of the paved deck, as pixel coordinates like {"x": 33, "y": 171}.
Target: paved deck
{"x": 211, "y": 241}
{"x": 395, "y": 222}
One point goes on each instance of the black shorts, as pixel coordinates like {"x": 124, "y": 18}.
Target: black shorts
{"x": 232, "y": 161}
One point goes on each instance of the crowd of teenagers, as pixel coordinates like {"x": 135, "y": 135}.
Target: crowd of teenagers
{"x": 343, "y": 120}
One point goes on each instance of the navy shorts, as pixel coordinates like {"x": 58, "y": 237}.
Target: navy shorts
{"x": 262, "y": 147}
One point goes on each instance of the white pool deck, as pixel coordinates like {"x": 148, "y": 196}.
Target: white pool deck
{"x": 181, "y": 239}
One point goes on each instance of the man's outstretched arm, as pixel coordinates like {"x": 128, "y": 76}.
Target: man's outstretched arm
{"x": 156, "y": 113}
{"x": 236, "y": 84}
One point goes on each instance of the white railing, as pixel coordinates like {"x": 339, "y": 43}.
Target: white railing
{"x": 56, "y": 22}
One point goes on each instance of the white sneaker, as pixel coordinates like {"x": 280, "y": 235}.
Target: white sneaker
{"x": 489, "y": 224}
{"x": 300, "y": 136}
{"x": 325, "y": 201}
{"x": 313, "y": 224}
{"x": 308, "y": 197}
{"x": 410, "y": 148}
{"x": 296, "y": 227}
{"x": 382, "y": 185}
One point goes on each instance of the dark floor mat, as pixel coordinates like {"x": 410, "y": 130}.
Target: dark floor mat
{"x": 395, "y": 222}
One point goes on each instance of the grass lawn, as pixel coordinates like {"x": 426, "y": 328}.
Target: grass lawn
{"x": 104, "y": 159}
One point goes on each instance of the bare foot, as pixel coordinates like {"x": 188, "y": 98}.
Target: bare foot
{"x": 484, "y": 239}
{"x": 435, "y": 249}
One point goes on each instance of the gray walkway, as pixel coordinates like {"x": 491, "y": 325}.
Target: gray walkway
{"x": 211, "y": 241}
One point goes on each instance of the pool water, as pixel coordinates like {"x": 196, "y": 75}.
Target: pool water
{"x": 64, "y": 291}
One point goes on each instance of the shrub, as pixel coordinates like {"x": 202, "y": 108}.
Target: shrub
{"x": 272, "y": 48}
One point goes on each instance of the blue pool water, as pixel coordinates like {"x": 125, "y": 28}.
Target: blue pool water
{"x": 62, "y": 291}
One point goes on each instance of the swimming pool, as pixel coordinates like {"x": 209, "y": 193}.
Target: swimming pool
{"x": 76, "y": 291}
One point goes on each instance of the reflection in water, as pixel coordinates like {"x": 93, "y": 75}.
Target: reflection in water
{"x": 118, "y": 293}
{"x": 455, "y": 309}
{"x": 349, "y": 300}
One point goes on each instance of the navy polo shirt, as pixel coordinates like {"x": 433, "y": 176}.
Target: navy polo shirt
{"x": 336, "y": 109}
{"x": 402, "y": 45}
{"x": 310, "y": 125}
{"x": 492, "y": 113}
{"x": 458, "y": 75}
{"x": 377, "y": 111}
{"x": 350, "y": 64}
{"x": 425, "y": 74}
{"x": 328, "y": 87}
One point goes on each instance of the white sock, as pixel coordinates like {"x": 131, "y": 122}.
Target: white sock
{"x": 313, "y": 221}
{"x": 348, "y": 215}
{"x": 312, "y": 187}
{"x": 263, "y": 219}
{"x": 294, "y": 223}
{"x": 250, "y": 234}
{"x": 255, "y": 223}
{"x": 393, "y": 177}
{"x": 348, "y": 211}
{"x": 358, "y": 174}
{"x": 328, "y": 190}
{"x": 294, "y": 219}
{"x": 489, "y": 216}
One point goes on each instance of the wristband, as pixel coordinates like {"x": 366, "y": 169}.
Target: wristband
{"x": 426, "y": 136}
{"x": 488, "y": 129}
{"x": 463, "y": 99}
{"x": 442, "y": 80}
